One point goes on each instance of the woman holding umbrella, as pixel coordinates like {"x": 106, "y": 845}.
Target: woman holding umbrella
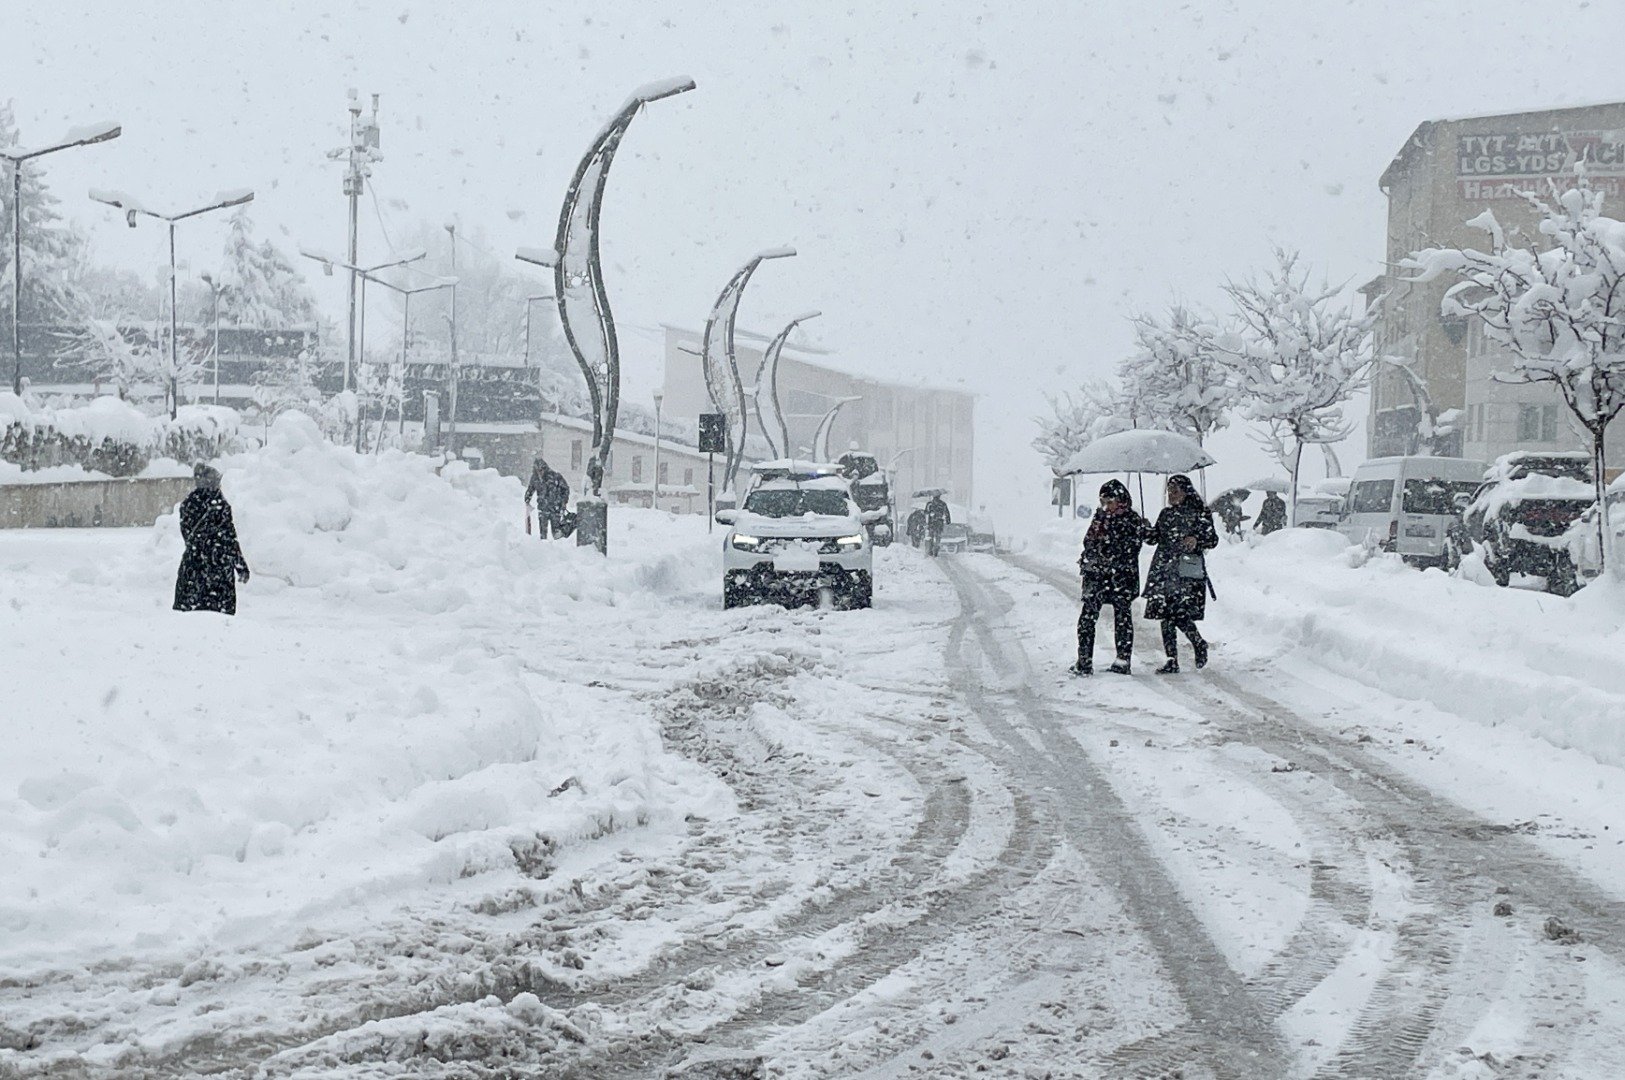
{"x": 1110, "y": 565}
{"x": 1177, "y": 585}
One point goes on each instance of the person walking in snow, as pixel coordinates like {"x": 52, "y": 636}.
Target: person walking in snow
{"x": 1177, "y": 585}
{"x": 213, "y": 562}
{"x": 1272, "y": 515}
{"x": 1110, "y": 566}
{"x": 1228, "y": 507}
{"x": 552, "y": 494}
{"x": 937, "y": 518}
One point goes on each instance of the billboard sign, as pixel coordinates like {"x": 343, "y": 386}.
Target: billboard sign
{"x": 1504, "y": 165}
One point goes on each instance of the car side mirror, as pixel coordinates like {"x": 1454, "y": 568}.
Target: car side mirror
{"x": 727, "y": 517}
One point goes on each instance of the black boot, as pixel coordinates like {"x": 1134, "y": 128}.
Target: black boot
{"x": 1120, "y": 666}
{"x": 1199, "y": 646}
{"x": 1169, "y": 668}
{"x": 1082, "y": 667}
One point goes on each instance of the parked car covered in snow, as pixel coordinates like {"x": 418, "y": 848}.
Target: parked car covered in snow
{"x": 1406, "y": 505}
{"x": 1315, "y": 511}
{"x": 793, "y": 537}
{"x": 1519, "y": 517}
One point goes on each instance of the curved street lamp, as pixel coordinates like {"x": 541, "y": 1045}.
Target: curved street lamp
{"x": 722, "y": 379}
{"x": 769, "y": 410}
{"x": 820, "y": 444}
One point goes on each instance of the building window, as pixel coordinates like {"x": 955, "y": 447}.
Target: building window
{"x": 1537, "y": 423}
{"x": 688, "y": 478}
{"x": 637, "y": 469}
{"x": 575, "y": 454}
{"x": 665, "y": 473}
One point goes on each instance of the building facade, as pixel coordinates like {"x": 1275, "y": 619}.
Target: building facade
{"x": 1447, "y": 173}
{"x": 928, "y": 431}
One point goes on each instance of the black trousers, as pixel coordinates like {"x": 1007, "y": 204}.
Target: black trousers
{"x": 1170, "y": 634}
{"x": 1122, "y": 624}
{"x": 550, "y": 523}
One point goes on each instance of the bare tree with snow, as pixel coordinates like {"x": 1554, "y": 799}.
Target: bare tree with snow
{"x": 1558, "y": 311}
{"x": 1078, "y": 419}
{"x": 1297, "y": 355}
{"x": 1175, "y": 377}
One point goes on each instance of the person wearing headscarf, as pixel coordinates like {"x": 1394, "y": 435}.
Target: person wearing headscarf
{"x": 1110, "y": 565}
{"x": 213, "y": 562}
{"x": 1177, "y": 585}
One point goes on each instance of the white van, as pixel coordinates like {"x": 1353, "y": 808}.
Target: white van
{"x": 1406, "y": 504}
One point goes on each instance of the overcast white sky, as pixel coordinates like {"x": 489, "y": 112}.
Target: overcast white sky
{"x": 979, "y": 191}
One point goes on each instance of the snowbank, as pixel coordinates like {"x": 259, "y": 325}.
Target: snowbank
{"x": 409, "y": 696}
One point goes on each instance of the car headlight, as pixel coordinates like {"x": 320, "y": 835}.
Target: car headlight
{"x": 747, "y": 543}
{"x": 849, "y": 543}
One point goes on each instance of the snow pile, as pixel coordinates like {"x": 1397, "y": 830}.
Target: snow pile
{"x": 408, "y": 698}
{"x": 1496, "y": 656}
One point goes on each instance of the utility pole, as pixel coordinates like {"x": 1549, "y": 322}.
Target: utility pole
{"x": 451, "y": 419}
{"x": 359, "y": 157}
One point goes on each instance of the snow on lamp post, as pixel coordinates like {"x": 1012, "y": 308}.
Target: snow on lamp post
{"x": 721, "y": 362}
{"x": 133, "y": 207}
{"x": 578, "y": 285}
{"x": 769, "y": 410}
{"x": 81, "y": 136}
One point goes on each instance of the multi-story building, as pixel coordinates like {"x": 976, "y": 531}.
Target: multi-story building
{"x": 928, "y": 431}
{"x": 1448, "y": 173}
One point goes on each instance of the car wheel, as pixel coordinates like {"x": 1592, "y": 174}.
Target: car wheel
{"x": 734, "y": 596}
{"x": 860, "y": 591}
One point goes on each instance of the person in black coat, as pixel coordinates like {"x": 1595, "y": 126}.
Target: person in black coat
{"x": 1110, "y": 565}
{"x": 937, "y": 518}
{"x": 1176, "y": 585}
{"x": 213, "y": 563}
{"x": 1272, "y": 516}
{"x": 552, "y": 494}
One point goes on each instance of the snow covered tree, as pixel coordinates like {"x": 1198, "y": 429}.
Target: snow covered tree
{"x": 263, "y": 289}
{"x": 1175, "y": 377}
{"x": 1297, "y": 356}
{"x": 1097, "y": 409}
{"x": 1559, "y": 312}
{"x": 52, "y": 250}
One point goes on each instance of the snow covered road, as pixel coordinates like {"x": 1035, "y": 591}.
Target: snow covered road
{"x": 573, "y": 821}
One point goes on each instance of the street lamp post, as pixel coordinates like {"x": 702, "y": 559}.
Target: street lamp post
{"x": 406, "y": 295}
{"x": 84, "y": 136}
{"x": 660, "y": 398}
{"x": 216, "y": 288}
{"x": 132, "y": 207}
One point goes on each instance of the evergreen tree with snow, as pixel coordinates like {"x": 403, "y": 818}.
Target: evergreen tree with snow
{"x": 263, "y": 288}
{"x": 1296, "y": 355}
{"x": 1557, "y": 309}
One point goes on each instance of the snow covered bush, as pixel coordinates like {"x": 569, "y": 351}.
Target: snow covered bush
{"x": 1559, "y": 312}
{"x": 111, "y": 437}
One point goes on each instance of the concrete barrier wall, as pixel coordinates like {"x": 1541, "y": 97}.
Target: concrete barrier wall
{"x": 82, "y": 504}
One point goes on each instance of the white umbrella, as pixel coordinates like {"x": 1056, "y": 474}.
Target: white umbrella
{"x": 1140, "y": 451}
{"x": 1279, "y": 485}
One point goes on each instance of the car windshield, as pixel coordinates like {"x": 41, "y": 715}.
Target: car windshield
{"x": 793, "y": 502}
{"x": 1431, "y": 496}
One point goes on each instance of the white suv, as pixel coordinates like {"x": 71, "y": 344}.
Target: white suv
{"x": 793, "y": 538}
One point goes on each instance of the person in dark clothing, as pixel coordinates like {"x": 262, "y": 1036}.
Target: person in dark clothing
{"x": 1110, "y": 565}
{"x": 213, "y": 563}
{"x": 936, "y": 519}
{"x": 552, "y": 494}
{"x": 1272, "y": 515}
{"x": 1176, "y": 585}
{"x": 916, "y": 527}
{"x": 1228, "y": 507}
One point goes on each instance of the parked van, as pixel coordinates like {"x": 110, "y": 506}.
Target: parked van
{"x": 1407, "y": 504}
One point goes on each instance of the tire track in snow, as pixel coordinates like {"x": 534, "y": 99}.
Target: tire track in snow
{"x": 1227, "y": 1032}
{"x": 1454, "y": 857}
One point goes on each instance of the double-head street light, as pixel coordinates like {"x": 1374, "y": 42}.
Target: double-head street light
{"x": 364, "y": 273}
{"x": 133, "y": 207}
{"x": 81, "y": 136}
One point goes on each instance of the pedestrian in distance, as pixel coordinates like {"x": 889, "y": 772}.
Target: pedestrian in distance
{"x": 1110, "y": 567}
{"x": 552, "y": 494}
{"x": 213, "y": 563}
{"x": 1177, "y": 584}
{"x": 937, "y": 518}
{"x": 1228, "y": 507}
{"x": 916, "y": 527}
{"x": 1272, "y": 515}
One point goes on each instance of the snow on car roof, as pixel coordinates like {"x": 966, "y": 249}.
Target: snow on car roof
{"x": 815, "y": 483}
{"x": 797, "y": 465}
